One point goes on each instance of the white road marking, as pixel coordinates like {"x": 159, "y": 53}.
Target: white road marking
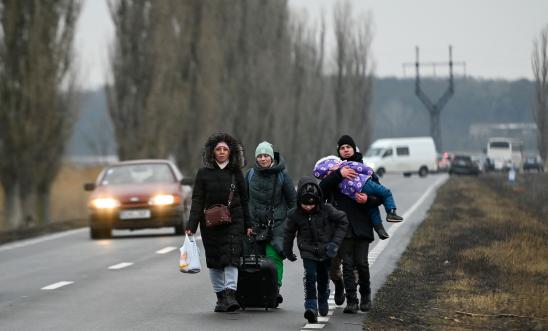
{"x": 166, "y": 250}
{"x": 57, "y": 285}
{"x": 377, "y": 250}
{"x": 29, "y": 242}
{"x": 120, "y": 265}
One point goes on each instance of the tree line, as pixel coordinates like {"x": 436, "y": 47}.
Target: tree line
{"x": 182, "y": 70}
{"x": 179, "y": 71}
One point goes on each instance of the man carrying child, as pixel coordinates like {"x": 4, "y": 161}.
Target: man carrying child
{"x": 355, "y": 246}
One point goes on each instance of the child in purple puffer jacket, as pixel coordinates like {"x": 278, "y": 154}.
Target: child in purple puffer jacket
{"x": 361, "y": 184}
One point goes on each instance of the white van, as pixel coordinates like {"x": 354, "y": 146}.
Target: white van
{"x": 402, "y": 155}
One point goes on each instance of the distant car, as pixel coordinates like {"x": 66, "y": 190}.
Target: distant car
{"x": 463, "y": 165}
{"x": 480, "y": 161}
{"x": 444, "y": 162}
{"x": 137, "y": 194}
{"x": 533, "y": 163}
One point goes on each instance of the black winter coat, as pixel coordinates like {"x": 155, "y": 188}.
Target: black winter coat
{"x": 223, "y": 244}
{"x": 314, "y": 230}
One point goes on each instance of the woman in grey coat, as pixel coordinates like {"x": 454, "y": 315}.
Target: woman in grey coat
{"x": 271, "y": 194}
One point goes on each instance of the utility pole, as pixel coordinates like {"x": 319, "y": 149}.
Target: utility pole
{"x": 434, "y": 108}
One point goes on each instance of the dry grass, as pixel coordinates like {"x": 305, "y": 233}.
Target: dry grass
{"x": 68, "y": 199}
{"x": 478, "y": 262}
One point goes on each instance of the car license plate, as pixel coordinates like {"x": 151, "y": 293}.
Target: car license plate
{"x": 134, "y": 214}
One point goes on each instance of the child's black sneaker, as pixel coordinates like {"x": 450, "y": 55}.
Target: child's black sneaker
{"x": 381, "y": 231}
{"x": 391, "y": 216}
{"x": 311, "y": 316}
{"x": 339, "y": 292}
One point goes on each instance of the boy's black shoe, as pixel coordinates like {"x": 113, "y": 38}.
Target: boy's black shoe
{"x": 381, "y": 231}
{"x": 339, "y": 292}
{"x": 311, "y": 316}
{"x": 279, "y": 298}
{"x": 323, "y": 308}
{"x": 391, "y": 216}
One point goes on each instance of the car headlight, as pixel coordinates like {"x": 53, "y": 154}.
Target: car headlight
{"x": 105, "y": 203}
{"x": 162, "y": 200}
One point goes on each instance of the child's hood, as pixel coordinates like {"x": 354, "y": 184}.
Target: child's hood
{"x": 308, "y": 186}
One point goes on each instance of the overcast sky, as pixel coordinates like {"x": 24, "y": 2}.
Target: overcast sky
{"x": 494, "y": 37}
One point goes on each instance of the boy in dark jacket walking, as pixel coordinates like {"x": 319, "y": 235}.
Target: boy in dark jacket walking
{"x": 320, "y": 229}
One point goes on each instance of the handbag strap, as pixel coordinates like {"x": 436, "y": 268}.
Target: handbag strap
{"x": 232, "y": 189}
{"x": 271, "y": 207}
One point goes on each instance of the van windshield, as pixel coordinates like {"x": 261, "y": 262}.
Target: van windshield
{"x": 499, "y": 144}
{"x": 374, "y": 152}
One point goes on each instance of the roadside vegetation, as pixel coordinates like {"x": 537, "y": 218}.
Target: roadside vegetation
{"x": 478, "y": 262}
{"x": 68, "y": 204}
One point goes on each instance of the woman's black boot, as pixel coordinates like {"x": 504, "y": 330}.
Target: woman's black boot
{"x": 220, "y": 306}
{"x": 231, "y": 303}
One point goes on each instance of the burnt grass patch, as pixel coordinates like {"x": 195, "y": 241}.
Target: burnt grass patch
{"x": 479, "y": 261}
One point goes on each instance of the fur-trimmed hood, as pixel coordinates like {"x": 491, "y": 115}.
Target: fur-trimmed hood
{"x": 236, "y": 159}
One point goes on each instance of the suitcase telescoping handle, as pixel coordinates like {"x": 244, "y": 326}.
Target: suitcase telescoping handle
{"x": 255, "y": 248}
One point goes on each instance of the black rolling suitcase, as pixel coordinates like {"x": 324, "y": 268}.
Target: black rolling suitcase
{"x": 257, "y": 283}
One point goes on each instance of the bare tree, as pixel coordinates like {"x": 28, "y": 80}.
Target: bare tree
{"x": 304, "y": 128}
{"x": 352, "y": 84}
{"x": 146, "y": 90}
{"x": 37, "y": 108}
{"x": 243, "y": 67}
{"x": 540, "y": 111}
{"x": 234, "y": 70}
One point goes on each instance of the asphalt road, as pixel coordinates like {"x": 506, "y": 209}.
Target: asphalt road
{"x": 131, "y": 282}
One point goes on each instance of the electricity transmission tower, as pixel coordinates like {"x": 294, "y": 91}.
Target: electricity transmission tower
{"x": 435, "y": 108}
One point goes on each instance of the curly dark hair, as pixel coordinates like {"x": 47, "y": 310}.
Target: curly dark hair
{"x": 236, "y": 158}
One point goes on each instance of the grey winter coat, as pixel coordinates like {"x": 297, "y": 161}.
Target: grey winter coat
{"x": 260, "y": 186}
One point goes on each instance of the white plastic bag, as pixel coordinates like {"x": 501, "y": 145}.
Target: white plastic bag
{"x": 189, "y": 261}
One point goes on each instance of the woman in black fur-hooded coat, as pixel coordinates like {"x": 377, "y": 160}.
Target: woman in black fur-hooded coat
{"x": 222, "y": 162}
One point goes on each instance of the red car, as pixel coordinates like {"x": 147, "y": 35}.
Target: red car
{"x": 137, "y": 195}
